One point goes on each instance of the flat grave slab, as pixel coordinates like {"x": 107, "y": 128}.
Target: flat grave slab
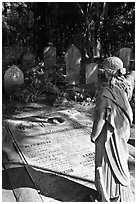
{"x": 56, "y": 146}
{"x": 59, "y": 142}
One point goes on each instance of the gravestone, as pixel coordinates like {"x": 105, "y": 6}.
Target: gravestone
{"x": 73, "y": 78}
{"x": 91, "y": 73}
{"x": 28, "y": 60}
{"x": 50, "y": 56}
{"x": 125, "y": 55}
{"x": 73, "y": 65}
{"x": 62, "y": 146}
{"x": 13, "y": 78}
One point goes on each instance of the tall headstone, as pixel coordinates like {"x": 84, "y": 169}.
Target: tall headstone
{"x": 13, "y": 78}
{"x": 50, "y": 56}
{"x": 73, "y": 65}
{"x": 91, "y": 73}
{"x": 125, "y": 55}
{"x": 28, "y": 60}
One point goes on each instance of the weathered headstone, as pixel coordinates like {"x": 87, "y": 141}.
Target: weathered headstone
{"x": 13, "y": 78}
{"x": 91, "y": 73}
{"x": 125, "y": 55}
{"x": 73, "y": 64}
{"x": 28, "y": 60}
{"x": 61, "y": 147}
{"x": 50, "y": 56}
{"x": 73, "y": 78}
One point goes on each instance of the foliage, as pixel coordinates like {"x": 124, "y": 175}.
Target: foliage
{"x": 36, "y": 24}
{"x": 118, "y": 27}
{"x": 39, "y": 84}
{"x": 47, "y": 85}
{"x": 111, "y": 23}
{"x": 17, "y": 24}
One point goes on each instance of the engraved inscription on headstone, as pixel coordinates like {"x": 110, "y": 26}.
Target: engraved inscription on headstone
{"x": 73, "y": 64}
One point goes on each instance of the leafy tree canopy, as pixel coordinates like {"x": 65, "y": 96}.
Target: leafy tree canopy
{"x": 35, "y": 24}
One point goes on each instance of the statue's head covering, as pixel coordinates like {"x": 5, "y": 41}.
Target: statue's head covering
{"x": 112, "y": 64}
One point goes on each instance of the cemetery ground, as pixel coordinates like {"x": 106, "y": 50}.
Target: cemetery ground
{"x": 52, "y": 55}
{"x": 30, "y": 177}
{"x": 47, "y": 121}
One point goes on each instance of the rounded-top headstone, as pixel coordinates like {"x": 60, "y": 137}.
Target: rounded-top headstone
{"x": 73, "y": 65}
{"x": 13, "y": 77}
{"x": 73, "y": 59}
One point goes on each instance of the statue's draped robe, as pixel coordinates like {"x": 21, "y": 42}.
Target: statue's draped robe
{"x": 112, "y": 178}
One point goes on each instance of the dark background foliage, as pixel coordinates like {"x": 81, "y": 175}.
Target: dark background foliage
{"x": 35, "y": 24}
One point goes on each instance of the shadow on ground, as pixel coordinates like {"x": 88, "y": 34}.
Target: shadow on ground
{"x": 49, "y": 185}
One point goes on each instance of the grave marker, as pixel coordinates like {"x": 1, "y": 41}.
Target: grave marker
{"x": 91, "y": 73}
{"x": 64, "y": 148}
{"x": 13, "y": 78}
{"x": 73, "y": 64}
{"x": 125, "y": 55}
